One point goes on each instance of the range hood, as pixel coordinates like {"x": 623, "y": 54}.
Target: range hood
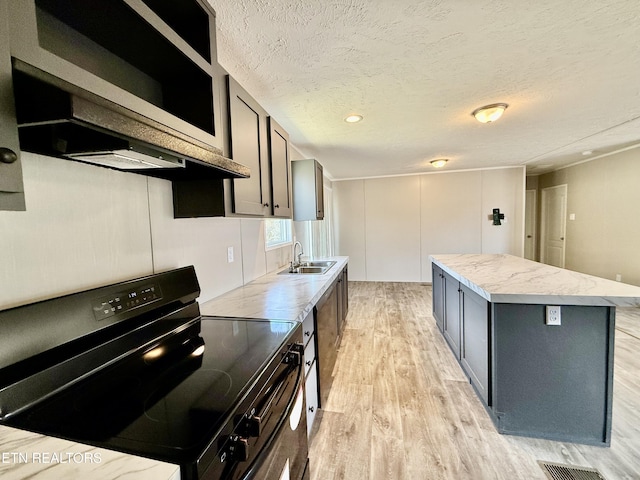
{"x": 59, "y": 119}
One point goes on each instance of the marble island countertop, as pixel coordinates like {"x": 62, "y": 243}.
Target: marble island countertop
{"x": 275, "y": 296}
{"x": 501, "y": 278}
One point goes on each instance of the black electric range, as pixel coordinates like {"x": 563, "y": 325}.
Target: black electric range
{"x": 134, "y": 367}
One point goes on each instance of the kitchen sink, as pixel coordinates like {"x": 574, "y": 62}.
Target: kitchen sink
{"x": 317, "y": 267}
{"x": 319, "y": 263}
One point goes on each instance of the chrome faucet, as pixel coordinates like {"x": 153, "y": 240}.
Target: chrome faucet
{"x": 299, "y": 255}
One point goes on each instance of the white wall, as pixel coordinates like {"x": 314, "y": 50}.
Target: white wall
{"x": 87, "y": 226}
{"x": 603, "y": 196}
{"x": 389, "y": 226}
{"x": 392, "y": 228}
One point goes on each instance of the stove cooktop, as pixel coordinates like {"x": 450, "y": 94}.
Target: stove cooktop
{"x": 169, "y": 400}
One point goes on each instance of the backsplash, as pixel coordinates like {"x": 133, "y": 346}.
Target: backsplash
{"x": 87, "y": 226}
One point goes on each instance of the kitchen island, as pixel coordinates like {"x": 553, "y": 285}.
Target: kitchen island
{"x": 540, "y": 372}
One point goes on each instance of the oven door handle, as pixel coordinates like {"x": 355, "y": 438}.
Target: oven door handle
{"x": 252, "y": 423}
{"x": 266, "y": 448}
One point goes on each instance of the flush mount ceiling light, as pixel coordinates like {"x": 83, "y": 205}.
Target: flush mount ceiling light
{"x": 439, "y": 162}
{"x": 489, "y": 113}
{"x": 353, "y": 118}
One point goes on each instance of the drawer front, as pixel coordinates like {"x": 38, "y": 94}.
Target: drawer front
{"x": 309, "y": 355}
{"x": 311, "y": 391}
{"x": 308, "y": 328}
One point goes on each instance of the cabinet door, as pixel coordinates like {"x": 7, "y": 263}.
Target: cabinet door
{"x": 438, "y": 296}
{"x": 319, "y": 192}
{"x": 475, "y": 341}
{"x": 11, "y": 188}
{"x": 340, "y": 286}
{"x": 311, "y": 392}
{"x": 345, "y": 293}
{"x": 280, "y": 170}
{"x": 308, "y": 190}
{"x": 327, "y": 337}
{"x": 452, "y": 313}
{"x": 248, "y": 146}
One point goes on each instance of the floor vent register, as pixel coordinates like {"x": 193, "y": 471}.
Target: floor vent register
{"x": 557, "y": 471}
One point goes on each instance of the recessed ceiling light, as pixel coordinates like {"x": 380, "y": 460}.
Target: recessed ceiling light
{"x": 489, "y": 113}
{"x": 353, "y": 118}
{"x": 587, "y": 152}
{"x": 439, "y": 162}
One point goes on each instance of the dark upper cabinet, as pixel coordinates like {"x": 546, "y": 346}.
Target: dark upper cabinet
{"x": 254, "y": 139}
{"x": 279, "y": 164}
{"x": 128, "y": 84}
{"x": 152, "y": 57}
{"x": 248, "y": 142}
{"x": 11, "y": 187}
{"x": 308, "y": 190}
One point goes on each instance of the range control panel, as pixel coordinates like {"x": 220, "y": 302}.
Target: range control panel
{"x": 125, "y": 301}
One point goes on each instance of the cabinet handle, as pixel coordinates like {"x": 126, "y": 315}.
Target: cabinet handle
{"x": 276, "y": 206}
{"x": 311, "y": 409}
{"x": 308, "y": 362}
{"x": 307, "y": 334}
{"x": 266, "y": 204}
{"x": 7, "y": 155}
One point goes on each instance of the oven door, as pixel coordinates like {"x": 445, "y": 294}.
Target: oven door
{"x": 286, "y": 457}
{"x": 269, "y": 440}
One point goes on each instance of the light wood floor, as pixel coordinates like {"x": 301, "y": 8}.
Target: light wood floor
{"x": 401, "y": 408}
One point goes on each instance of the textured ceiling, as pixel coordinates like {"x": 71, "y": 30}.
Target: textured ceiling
{"x": 569, "y": 70}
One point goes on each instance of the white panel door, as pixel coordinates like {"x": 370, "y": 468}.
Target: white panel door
{"x": 530, "y": 224}
{"x": 553, "y": 227}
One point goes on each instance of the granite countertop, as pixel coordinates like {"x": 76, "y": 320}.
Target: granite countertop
{"x": 275, "y": 296}
{"x": 27, "y": 455}
{"x": 501, "y": 278}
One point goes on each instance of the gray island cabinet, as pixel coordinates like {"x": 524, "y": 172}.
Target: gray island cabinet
{"x": 538, "y": 373}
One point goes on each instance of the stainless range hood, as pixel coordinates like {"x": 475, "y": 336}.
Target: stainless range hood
{"x": 57, "y": 118}
{"x": 127, "y": 160}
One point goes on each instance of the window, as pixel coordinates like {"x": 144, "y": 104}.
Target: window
{"x": 277, "y": 233}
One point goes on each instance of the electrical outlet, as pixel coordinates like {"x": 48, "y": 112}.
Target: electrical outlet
{"x": 618, "y": 277}
{"x": 229, "y": 254}
{"x": 553, "y": 315}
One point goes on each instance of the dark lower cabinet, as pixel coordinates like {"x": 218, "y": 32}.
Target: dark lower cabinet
{"x": 463, "y": 318}
{"x": 474, "y": 335}
{"x": 452, "y": 321}
{"x": 343, "y": 299}
{"x": 330, "y": 314}
{"x": 326, "y": 311}
{"x": 438, "y": 296}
